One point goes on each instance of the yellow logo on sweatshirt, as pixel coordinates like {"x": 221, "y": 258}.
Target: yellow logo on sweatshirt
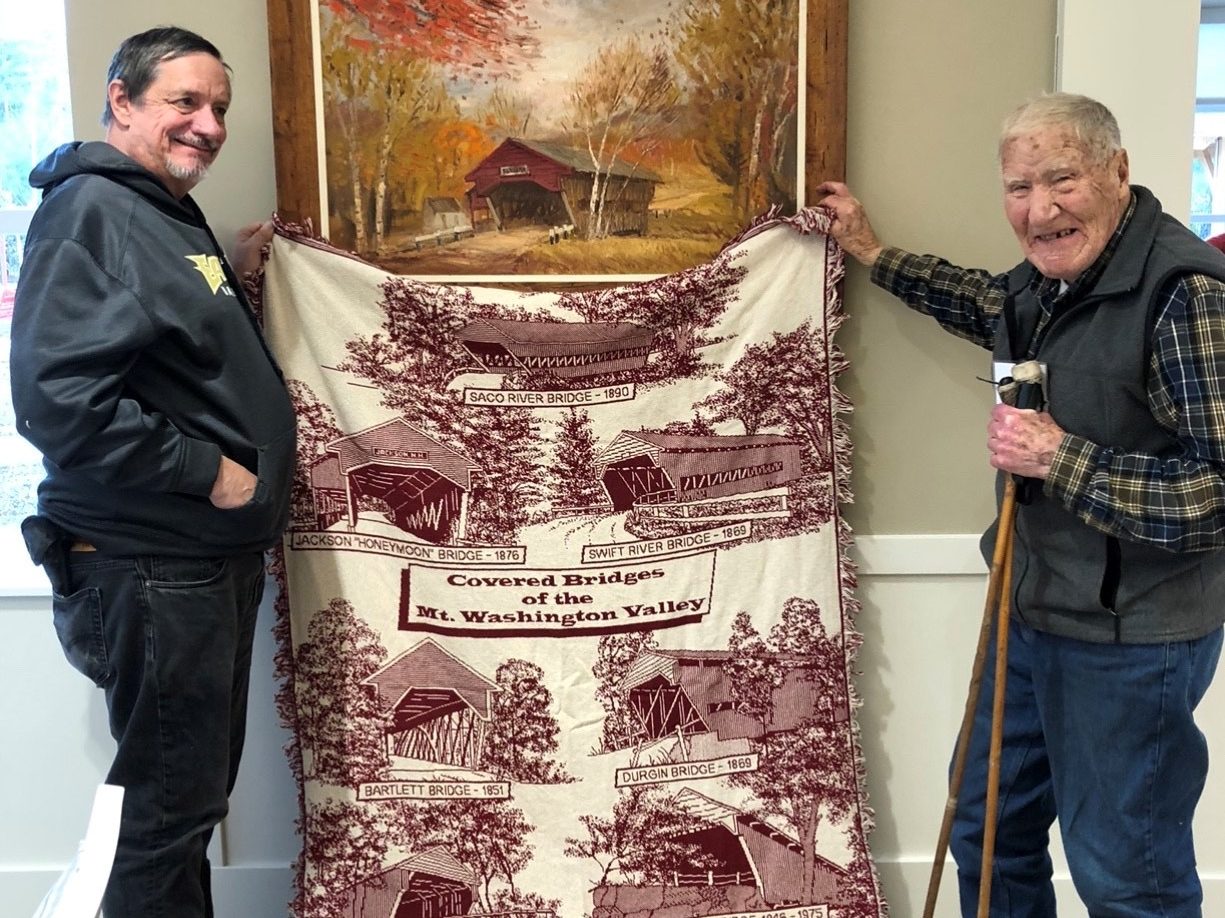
{"x": 210, "y": 267}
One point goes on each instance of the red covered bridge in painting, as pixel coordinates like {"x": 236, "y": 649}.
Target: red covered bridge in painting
{"x": 531, "y": 183}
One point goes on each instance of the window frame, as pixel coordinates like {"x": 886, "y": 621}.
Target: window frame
{"x": 18, "y": 576}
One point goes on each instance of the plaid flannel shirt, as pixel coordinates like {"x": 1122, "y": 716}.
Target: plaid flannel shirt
{"x": 1174, "y": 501}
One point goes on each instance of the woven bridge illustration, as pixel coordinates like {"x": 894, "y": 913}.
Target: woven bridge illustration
{"x": 423, "y": 484}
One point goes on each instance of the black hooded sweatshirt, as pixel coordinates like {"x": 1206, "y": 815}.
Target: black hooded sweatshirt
{"x": 137, "y": 364}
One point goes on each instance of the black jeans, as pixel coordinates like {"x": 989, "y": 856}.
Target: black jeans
{"x": 169, "y": 641}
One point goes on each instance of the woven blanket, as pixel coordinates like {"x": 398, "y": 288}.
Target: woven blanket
{"x": 566, "y": 619}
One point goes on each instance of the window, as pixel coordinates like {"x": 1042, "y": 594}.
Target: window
{"x": 1208, "y": 146}
{"x": 34, "y": 119}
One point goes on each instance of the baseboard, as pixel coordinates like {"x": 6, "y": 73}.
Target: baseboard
{"x": 919, "y": 555}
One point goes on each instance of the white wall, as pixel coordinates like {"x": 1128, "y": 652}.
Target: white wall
{"x": 1141, "y": 64}
{"x": 240, "y": 187}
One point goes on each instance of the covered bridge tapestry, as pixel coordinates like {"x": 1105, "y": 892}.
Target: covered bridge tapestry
{"x": 566, "y": 620}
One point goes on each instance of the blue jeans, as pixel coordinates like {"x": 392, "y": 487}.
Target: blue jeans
{"x": 169, "y": 641}
{"x": 1102, "y": 735}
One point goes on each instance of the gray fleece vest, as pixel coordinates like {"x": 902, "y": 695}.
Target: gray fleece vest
{"x": 1068, "y": 578}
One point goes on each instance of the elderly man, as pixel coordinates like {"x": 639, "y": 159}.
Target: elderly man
{"x": 168, "y": 439}
{"x": 1118, "y": 570}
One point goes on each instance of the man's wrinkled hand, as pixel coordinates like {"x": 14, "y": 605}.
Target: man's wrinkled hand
{"x": 1023, "y": 441}
{"x": 850, "y": 227}
{"x": 234, "y": 486}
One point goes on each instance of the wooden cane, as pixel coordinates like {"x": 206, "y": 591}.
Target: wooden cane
{"x": 997, "y": 739}
{"x": 995, "y": 607}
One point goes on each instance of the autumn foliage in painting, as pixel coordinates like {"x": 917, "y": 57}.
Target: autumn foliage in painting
{"x": 465, "y": 34}
{"x": 690, "y": 123}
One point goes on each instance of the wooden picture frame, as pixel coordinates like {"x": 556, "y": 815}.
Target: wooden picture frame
{"x": 299, "y": 173}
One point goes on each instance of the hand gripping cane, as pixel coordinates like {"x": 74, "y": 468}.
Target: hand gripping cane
{"x": 995, "y": 611}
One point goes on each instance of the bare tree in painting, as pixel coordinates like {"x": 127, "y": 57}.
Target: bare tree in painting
{"x": 808, "y": 773}
{"x": 346, "y": 78}
{"x": 375, "y": 97}
{"x": 340, "y": 726}
{"x": 507, "y": 113}
{"x": 741, "y": 61}
{"x": 642, "y": 842}
{"x": 614, "y": 655}
{"x": 573, "y": 470}
{"x": 521, "y": 742}
{"x": 404, "y": 91}
{"x": 621, "y": 102}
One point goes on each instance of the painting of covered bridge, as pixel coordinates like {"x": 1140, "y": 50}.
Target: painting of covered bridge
{"x": 422, "y": 484}
{"x": 534, "y": 183}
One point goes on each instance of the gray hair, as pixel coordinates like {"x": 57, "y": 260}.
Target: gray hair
{"x": 1090, "y": 122}
{"x": 135, "y": 63}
